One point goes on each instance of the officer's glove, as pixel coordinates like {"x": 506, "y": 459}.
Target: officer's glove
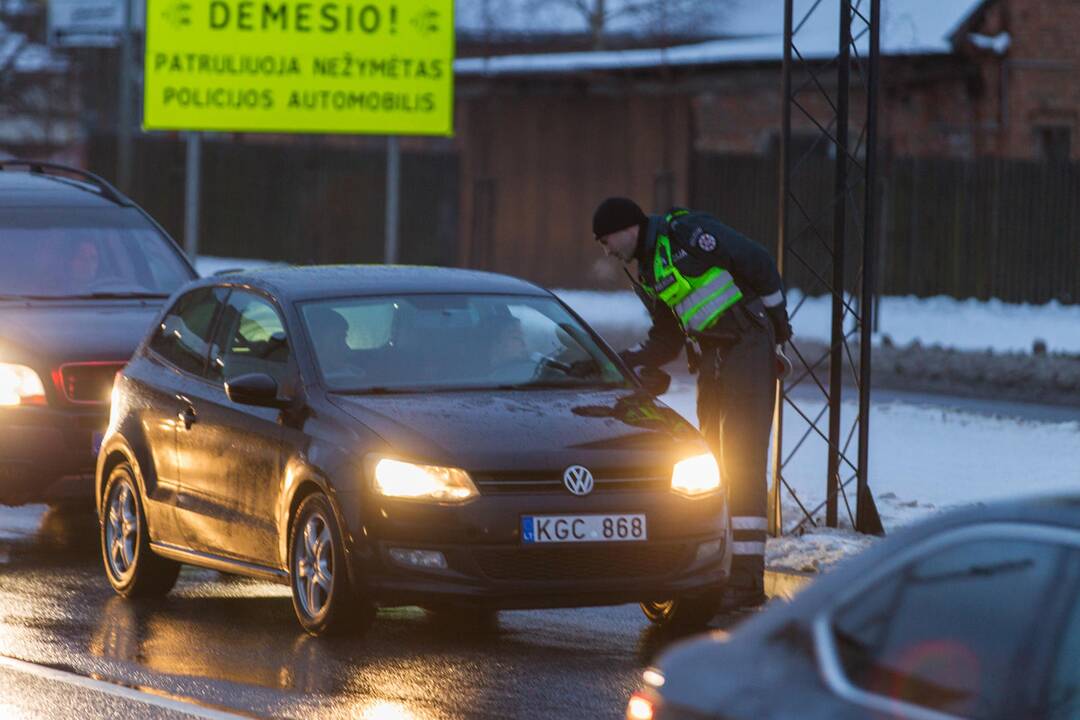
{"x": 654, "y": 380}
{"x": 781, "y": 325}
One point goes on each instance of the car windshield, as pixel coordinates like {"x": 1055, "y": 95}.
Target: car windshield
{"x": 454, "y": 342}
{"x": 83, "y": 254}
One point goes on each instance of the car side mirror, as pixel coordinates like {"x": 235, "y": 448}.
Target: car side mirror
{"x": 258, "y": 389}
{"x": 655, "y": 381}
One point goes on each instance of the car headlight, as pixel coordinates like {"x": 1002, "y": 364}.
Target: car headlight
{"x": 19, "y": 385}
{"x": 696, "y": 476}
{"x": 395, "y": 478}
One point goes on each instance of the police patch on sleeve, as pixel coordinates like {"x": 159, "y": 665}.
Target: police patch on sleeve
{"x": 706, "y": 242}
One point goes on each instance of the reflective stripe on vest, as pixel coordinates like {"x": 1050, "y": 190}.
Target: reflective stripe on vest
{"x": 697, "y": 301}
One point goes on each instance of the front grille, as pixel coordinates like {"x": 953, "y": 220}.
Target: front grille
{"x": 88, "y": 383}
{"x": 582, "y": 562}
{"x": 552, "y": 482}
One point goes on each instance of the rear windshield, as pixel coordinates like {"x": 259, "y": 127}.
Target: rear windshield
{"x": 72, "y": 253}
{"x": 417, "y": 342}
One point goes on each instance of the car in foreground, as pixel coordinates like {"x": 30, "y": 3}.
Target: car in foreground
{"x": 404, "y": 436}
{"x": 972, "y": 615}
{"x": 83, "y": 273}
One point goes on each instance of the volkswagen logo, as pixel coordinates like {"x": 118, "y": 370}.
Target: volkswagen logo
{"x": 578, "y": 480}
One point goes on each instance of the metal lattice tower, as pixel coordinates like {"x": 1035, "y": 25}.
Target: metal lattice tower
{"x": 802, "y": 224}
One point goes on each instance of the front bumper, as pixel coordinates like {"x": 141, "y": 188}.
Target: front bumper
{"x": 487, "y": 563}
{"x": 46, "y": 455}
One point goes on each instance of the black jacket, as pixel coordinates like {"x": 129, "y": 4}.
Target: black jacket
{"x": 699, "y": 242}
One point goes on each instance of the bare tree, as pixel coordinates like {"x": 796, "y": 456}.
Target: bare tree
{"x": 655, "y": 19}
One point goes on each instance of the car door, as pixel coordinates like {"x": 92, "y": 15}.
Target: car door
{"x": 955, "y": 632}
{"x": 173, "y": 363}
{"x": 231, "y": 475}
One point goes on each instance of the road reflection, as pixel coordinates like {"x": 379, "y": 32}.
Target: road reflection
{"x": 235, "y": 642}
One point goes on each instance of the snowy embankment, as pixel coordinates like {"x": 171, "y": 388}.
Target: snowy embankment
{"x": 942, "y": 321}
{"x": 938, "y": 321}
{"x": 924, "y": 459}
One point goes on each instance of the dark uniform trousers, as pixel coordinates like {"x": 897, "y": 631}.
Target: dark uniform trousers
{"x": 736, "y": 396}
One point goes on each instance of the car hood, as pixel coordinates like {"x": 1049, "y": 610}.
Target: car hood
{"x": 532, "y": 430}
{"x": 54, "y": 333}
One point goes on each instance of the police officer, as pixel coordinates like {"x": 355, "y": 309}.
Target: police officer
{"x": 718, "y": 293}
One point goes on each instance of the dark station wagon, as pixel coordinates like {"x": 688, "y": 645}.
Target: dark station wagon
{"x": 83, "y": 273}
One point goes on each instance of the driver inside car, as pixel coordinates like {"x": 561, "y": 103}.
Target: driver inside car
{"x": 509, "y": 357}
{"x": 84, "y": 263}
{"x": 330, "y": 331}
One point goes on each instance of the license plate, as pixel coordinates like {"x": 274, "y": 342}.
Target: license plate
{"x": 583, "y": 528}
{"x": 95, "y": 443}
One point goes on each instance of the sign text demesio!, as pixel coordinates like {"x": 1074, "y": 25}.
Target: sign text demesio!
{"x": 300, "y": 66}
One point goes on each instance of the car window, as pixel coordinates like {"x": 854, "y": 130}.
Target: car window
{"x": 951, "y": 631}
{"x": 51, "y": 255}
{"x": 453, "y": 341}
{"x": 1062, "y": 698}
{"x": 252, "y": 339}
{"x": 183, "y": 337}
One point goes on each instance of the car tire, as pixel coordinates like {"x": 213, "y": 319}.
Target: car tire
{"x": 322, "y": 594}
{"x": 685, "y": 613}
{"x": 133, "y": 569}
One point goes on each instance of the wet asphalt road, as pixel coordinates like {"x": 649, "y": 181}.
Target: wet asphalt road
{"x": 234, "y": 644}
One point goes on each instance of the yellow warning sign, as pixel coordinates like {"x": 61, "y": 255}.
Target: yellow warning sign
{"x": 300, "y": 66}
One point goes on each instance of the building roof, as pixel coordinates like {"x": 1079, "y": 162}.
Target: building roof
{"x": 21, "y": 56}
{"x": 753, "y": 32}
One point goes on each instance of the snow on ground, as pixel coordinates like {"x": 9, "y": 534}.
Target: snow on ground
{"x": 19, "y": 522}
{"x": 923, "y": 460}
{"x": 960, "y": 324}
{"x": 207, "y": 265}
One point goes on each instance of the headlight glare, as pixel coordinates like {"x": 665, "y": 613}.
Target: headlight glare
{"x": 19, "y": 385}
{"x": 696, "y": 476}
{"x": 395, "y": 478}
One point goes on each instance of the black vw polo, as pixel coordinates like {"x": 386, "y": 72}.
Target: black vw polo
{"x": 404, "y": 436}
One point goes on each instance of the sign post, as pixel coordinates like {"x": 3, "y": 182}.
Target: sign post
{"x": 393, "y": 188}
{"x": 192, "y": 189}
{"x": 123, "y": 136}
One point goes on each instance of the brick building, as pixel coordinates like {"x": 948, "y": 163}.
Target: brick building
{"x": 960, "y": 78}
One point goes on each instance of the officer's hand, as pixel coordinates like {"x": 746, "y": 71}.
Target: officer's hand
{"x": 629, "y": 357}
{"x": 781, "y": 325}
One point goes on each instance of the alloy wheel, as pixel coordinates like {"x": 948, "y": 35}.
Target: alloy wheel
{"x": 121, "y": 530}
{"x": 313, "y": 564}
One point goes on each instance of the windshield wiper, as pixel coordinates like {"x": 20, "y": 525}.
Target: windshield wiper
{"x": 130, "y": 295}
{"x": 561, "y": 385}
{"x": 381, "y": 390}
{"x": 24, "y": 298}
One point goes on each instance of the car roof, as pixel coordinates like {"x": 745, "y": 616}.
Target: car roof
{"x": 310, "y": 282}
{"x": 30, "y": 189}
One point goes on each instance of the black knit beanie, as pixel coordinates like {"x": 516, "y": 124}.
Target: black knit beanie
{"x": 614, "y": 214}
